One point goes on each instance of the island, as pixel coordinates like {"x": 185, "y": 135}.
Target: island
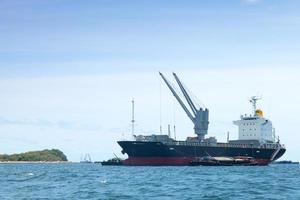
{"x": 285, "y": 162}
{"x": 53, "y": 155}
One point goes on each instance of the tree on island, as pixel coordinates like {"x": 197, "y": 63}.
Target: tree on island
{"x": 44, "y": 155}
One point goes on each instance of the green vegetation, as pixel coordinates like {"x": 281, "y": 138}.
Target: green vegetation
{"x": 44, "y": 155}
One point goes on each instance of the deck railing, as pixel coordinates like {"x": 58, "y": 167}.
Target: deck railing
{"x": 206, "y": 144}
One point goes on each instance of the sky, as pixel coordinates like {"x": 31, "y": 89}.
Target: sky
{"x": 68, "y": 70}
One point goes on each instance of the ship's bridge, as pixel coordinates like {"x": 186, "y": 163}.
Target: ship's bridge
{"x": 255, "y": 127}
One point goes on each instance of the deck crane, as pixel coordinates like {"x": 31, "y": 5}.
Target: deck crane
{"x": 199, "y": 117}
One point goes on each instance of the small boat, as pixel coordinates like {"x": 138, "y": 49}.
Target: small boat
{"x": 223, "y": 161}
{"x": 113, "y": 161}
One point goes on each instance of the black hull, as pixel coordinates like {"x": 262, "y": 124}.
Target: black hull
{"x": 157, "y": 153}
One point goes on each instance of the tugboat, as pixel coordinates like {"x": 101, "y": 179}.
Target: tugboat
{"x": 256, "y": 138}
{"x": 113, "y": 161}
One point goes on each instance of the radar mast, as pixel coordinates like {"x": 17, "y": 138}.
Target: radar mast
{"x": 253, "y": 100}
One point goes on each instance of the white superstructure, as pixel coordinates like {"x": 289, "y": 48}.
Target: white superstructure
{"x": 255, "y": 126}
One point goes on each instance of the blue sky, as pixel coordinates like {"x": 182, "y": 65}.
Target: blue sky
{"x": 62, "y": 63}
{"x": 50, "y": 37}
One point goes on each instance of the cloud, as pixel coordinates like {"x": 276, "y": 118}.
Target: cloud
{"x": 44, "y": 123}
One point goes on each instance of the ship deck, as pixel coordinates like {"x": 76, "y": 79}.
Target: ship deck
{"x": 220, "y": 144}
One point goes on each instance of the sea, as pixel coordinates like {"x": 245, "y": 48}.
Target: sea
{"x": 93, "y": 181}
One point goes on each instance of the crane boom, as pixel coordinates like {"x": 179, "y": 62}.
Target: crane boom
{"x": 178, "y": 98}
{"x": 198, "y": 117}
{"x": 187, "y": 97}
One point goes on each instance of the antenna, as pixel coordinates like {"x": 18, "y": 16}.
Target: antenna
{"x": 132, "y": 121}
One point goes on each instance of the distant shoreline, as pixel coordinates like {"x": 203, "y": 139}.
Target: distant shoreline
{"x": 34, "y": 162}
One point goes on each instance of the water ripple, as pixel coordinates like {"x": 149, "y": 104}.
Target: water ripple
{"x": 92, "y": 181}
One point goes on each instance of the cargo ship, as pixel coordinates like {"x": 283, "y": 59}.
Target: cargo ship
{"x": 256, "y": 138}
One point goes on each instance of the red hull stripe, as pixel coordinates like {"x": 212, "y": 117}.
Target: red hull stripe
{"x": 170, "y": 161}
{"x": 263, "y": 161}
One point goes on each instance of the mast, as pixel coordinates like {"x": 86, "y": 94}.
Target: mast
{"x": 132, "y": 120}
{"x": 160, "y": 109}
